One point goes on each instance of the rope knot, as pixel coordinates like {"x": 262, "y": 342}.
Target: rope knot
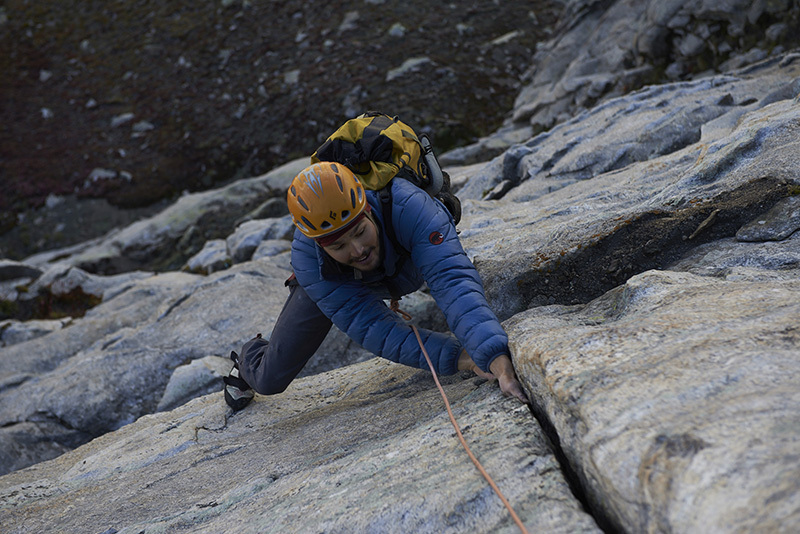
{"x": 395, "y": 307}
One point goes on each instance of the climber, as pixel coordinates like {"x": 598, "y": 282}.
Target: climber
{"x": 347, "y": 260}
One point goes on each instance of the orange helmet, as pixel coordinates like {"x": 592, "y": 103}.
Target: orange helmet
{"x": 324, "y": 198}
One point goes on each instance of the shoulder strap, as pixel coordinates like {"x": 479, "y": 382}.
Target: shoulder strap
{"x": 385, "y": 195}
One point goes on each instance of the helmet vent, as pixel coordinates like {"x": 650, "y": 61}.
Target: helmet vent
{"x": 325, "y": 225}
{"x": 345, "y": 215}
{"x": 302, "y": 203}
{"x": 353, "y": 198}
{"x": 308, "y": 223}
{"x": 339, "y": 183}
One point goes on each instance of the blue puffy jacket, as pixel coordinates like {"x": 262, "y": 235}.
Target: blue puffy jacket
{"x": 355, "y": 301}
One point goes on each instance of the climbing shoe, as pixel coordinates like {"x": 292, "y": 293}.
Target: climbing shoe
{"x": 238, "y": 393}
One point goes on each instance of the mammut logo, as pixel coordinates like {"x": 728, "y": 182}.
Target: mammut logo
{"x": 313, "y": 180}
{"x": 436, "y": 238}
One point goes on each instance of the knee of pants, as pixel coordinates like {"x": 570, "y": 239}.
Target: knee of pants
{"x": 270, "y": 387}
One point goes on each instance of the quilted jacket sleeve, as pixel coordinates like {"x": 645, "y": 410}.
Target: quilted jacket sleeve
{"x": 360, "y": 312}
{"x": 424, "y": 228}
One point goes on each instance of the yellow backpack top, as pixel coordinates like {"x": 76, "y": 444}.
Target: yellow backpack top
{"x": 377, "y": 147}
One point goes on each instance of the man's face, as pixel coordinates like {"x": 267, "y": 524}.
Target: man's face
{"x": 359, "y": 248}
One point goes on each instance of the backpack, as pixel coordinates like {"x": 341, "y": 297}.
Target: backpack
{"x": 378, "y": 148}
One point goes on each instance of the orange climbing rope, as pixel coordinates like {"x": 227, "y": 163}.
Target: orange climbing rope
{"x": 395, "y": 307}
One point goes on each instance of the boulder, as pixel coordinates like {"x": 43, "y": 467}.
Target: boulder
{"x": 602, "y": 50}
{"x": 194, "y": 379}
{"x": 675, "y": 396}
{"x": 61, "y": 279}
{"x": 13, "y": 331}
{"x": 212, "y": 258}
{"x": 249, "y": 235}
{"x": 61, "y": 290}
{"x": 152, "y": 243}
{"x": 776, "y": 225}
{"x": 271, "y": 247}
{"x": 594, "y": 207}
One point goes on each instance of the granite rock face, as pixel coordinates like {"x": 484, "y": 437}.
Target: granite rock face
{"x": 676, "y": 396}
{"x": 642, "y": 253}
{"x": 152, "y": 344}
{"x": 601, "y": 197}
{"x": 166, "y": 240}
{"x": 602, "y": 50}
{"x": 367, "y": 448}
{"x": 113, "y": 365}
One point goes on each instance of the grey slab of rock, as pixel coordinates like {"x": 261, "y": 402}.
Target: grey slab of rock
{"x": 644, "y": 125}
{"x": 579, "y": 223}
{"x": 12, "y": 270}
{"x": 726, "y": 257}
{"x": 271, "y": 247}
{"x": 152, "y": 243}
{"x": 212, "y": 258}
{"x": 338, "y": 452}
{"x": 778, "y": 223}
{"x": 245, "y": 240}
{"x": 62, "y": 279}
{"x": 113, "y": 365}
{"x": 676, "y": 398}
{"x": 13, "y": 332}
{"x": 32, "y": 370}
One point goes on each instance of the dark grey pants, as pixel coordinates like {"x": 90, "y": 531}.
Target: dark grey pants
{"x": 269, "y": 367}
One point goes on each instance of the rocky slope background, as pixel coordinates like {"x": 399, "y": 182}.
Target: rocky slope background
{"x": 129, "y": 104}
{"x": 640, "y": 246}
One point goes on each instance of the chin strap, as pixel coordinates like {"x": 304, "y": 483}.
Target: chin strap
{"x": 395, "y": 307}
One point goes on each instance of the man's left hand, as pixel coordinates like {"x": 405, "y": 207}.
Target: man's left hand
{"x": 502, "y": 368}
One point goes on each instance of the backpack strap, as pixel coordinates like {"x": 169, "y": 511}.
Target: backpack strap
{"x": 385, "y": 195}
